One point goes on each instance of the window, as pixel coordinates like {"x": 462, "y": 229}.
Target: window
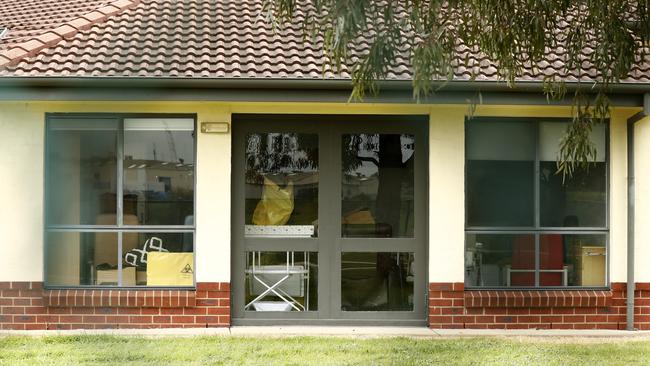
{"x": 119, "y": 201}
{"x": 526, "y": 226}
{"x": 377, "y": 185}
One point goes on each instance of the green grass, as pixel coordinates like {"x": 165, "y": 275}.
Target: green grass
{"x": 114, "y": 350}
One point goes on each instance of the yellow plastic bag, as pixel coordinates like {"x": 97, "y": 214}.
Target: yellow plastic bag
{"x": 170, "y": 269}
{"x": 276, "y": 205}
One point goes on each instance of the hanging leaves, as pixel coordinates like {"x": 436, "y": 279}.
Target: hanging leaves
{"x": 594, "y": 43}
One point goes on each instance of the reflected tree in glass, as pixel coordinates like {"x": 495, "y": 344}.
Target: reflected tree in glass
{"x": 378, "y": 179}
{"x": 287, "y": 162}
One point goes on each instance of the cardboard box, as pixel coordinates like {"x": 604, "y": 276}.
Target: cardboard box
{"x": 109, "y": 277}
{"x": 170, "y": 269}
{"x": 141, "y": 278}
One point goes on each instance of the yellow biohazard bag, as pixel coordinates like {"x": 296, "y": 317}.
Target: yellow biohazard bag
{"x": 276, "y": 205}
{"x": 170, "y": 269}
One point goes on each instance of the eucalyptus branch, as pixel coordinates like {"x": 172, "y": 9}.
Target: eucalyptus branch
{"x": 590, "y": 44}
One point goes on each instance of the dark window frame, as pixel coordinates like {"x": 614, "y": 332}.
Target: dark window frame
{"x": 119, "y": 228}
{"x": 537, "y": 230}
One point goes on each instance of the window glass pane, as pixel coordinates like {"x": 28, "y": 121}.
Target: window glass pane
{"x": 281, "y": 184}
{"x": 579, "y": 200}
{"x": 500, "y": 173}
{"x": 377, "y": 281}
{"x": 573, "y": 260}
{"x": 497, "y": 260}
{"x": 377, "y": 185}
{"x": 78, "y": 259}
{"x": 158, "y": 171}
{"x": 81, "y": 171}
{"x": 281, "y": 281}
{"x": 158, "y": 259}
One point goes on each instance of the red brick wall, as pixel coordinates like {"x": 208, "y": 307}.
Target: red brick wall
{"x": 450, "y": 306}
{"x": 26, "y": 305}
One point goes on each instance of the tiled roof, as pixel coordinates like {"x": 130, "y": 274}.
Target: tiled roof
{"x": 203, "y": 39}
{"x": 29, "y": 18}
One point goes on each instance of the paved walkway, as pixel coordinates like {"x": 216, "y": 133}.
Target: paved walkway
{"x": 338, "y": 331}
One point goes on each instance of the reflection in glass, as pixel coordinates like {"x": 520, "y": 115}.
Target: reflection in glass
{"x": 81, "y": 172}
{"x": 281, "y": 281}
{"x": 281, "y": 184}
{"x": 158, "y": 171}
{"x": 81, "y": 258}
{"x": 500, "y": 260}
{"x": 582, "y": 260}
{"x": 377, "y": 281}
{"x": 579, "y": 200}
{"x": 377, "y": 185}
{"x": 500, "y": 173}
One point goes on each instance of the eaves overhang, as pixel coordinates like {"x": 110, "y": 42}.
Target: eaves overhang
{"x": 279, "y": 90}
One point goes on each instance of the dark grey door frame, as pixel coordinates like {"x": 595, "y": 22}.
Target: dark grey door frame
{"x": 329, "y": 244}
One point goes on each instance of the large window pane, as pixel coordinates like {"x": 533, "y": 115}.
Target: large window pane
{"x": 500, "y": 173}
{"x": 281, "y": 281}
{"x": 497, "y": 260}
{"x": 573, "y": 260}
{"x": 81, "y": 171}
{"x": 281, "y": 184}
{"x": 81, "y": 258}
{"x": 377, "y": 185}
{"x": 579, "y": 200}
{"x": 377, "y": 281}
{"x": 158, "y": 171}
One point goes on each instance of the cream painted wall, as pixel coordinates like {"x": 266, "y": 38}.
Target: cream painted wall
{"x": 23, "y": 136}
{"x": 21, "y": 184}
{"x": 642, "y": 200}
{"x": 447, "y": 194}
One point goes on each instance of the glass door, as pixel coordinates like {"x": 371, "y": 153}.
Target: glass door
{"x": 329, "y": 219}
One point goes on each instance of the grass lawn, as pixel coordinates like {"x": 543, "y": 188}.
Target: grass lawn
{"x": 114, "y": 350}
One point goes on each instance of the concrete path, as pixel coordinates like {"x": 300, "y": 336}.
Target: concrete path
{"x": 337, "y": 331}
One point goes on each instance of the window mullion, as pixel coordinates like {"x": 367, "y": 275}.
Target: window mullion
{"x": 536, "y": 189}
{"x": 120, "y": 195}
{"x": 120, "y": 174}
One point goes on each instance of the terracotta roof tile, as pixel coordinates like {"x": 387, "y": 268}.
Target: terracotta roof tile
{"x": 28, "y": 18}
{"x": 201, "y": 39}
{"x": 44, "y": 38}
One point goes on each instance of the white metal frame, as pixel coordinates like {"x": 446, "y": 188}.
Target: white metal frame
{"x": 564, "y": 271}
{"x": 257, "y": 270}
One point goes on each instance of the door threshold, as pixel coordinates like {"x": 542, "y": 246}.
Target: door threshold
{"x": 330, "y": 322}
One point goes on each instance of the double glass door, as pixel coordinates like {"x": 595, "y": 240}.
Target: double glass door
{"x": 329, "y": 219}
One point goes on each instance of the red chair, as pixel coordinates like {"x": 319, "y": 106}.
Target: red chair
{"x": 551, "y": 261}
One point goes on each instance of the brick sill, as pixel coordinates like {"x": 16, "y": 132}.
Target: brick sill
{"x": 123, "y": 298}
{"x": 536, "y": 298}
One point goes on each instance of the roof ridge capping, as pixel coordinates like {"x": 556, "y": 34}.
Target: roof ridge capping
{"x": 51, "y": 37}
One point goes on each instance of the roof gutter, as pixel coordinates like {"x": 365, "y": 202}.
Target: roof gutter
{"x": 291, "y": 90}
{"x": 631, "y": 208}
{"x": 276, "y": 83}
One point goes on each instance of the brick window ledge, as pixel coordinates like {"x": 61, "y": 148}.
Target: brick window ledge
{"x": 120, "y": 298}
{"x": 537, "y": 298}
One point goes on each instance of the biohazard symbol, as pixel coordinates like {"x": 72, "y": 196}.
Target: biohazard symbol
{"x": 187, "y": 269}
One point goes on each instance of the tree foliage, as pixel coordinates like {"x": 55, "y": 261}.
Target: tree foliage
{"x": 598, "y": 41}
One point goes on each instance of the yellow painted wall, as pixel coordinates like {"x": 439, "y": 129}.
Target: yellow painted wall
{"x": 642, "y": 200}
{"x": 22, "y": 138}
